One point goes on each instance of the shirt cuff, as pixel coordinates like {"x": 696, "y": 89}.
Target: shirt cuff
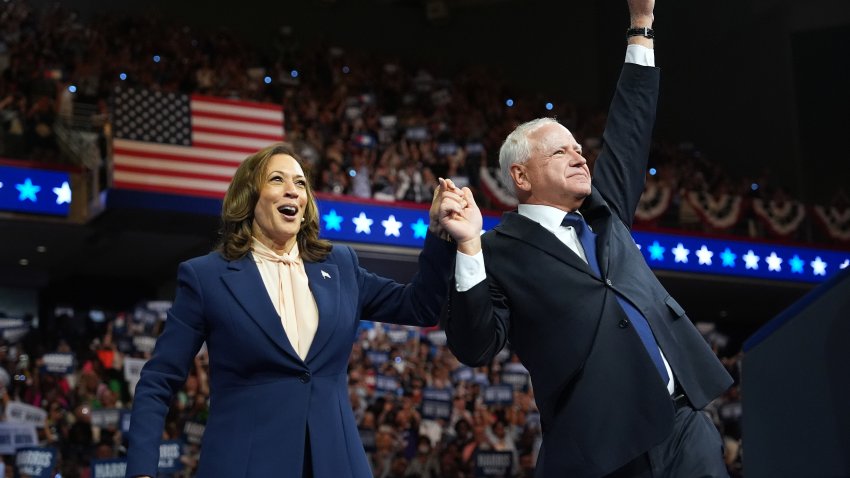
{"x": 640, "y": 55}
{"x": 469, "y": 271}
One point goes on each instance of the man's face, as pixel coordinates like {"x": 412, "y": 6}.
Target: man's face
{"x": 555, "y": 174}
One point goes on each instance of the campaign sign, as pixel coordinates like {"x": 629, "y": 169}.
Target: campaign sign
{"x": 106, "y": 417}
{"x": 144, "y": 343}
{"x": 125, "y": 421}
{"x": 16, "y": 435}
{"x": 481, "y": 378}
{"x": 493, "y": 463}
{"x": 169, "y": 457}
{"x": 436, "y": 403}
{"x": 108, "y": 468}
{"x": 13, "y": 330}
{"x": 377, "y": 357}
{"x": 132, "y": 372}
{"x": 498, "y": 394}
{"x": 133, "y": 368}
{"x": 35, "y": 462}
{"x": 437, "y": 337}
{"x": 193, "y": 432}
{"x": 462, "y": 374}
{"x": 385, "y": 384}
{"x": 367, "y": 436}
{"x": 398, "y": 336}
{"x": 515, "y": 374}
{"x": 59, "y": 363}
{"x": 18, "y": 412}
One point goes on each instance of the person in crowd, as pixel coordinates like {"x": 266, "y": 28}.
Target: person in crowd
{"x": 278, "y": 309}
{"x": 619, "y": 371}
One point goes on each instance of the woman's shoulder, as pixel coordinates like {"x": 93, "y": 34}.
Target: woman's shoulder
{"x": 213, "y": 259}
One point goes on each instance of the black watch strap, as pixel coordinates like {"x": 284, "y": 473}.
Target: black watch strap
{"x": 640, "y": 32}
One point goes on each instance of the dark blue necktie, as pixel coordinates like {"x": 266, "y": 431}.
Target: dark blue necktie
{"x": 588, "y": 242}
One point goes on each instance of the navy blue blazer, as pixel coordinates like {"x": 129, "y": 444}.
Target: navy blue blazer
{"x": 602, "y": 402}
{"x": 264, "y": 399}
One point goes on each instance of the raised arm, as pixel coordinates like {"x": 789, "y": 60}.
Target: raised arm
{"x": 619, "y": 173}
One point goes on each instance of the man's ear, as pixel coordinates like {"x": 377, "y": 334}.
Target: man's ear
{"x": 520, "y": 177}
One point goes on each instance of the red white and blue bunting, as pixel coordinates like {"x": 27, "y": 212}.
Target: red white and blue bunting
{"x": 781, "y": 218}
{"x": 720, "y": 212}
{"x": 654, "y": 202}
{"x": 836, "y": 222}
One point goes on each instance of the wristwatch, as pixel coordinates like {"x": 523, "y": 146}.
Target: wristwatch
{"x": 640, "y": 32}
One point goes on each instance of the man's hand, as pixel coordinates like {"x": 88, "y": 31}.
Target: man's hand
{"x": 454, "y": 212}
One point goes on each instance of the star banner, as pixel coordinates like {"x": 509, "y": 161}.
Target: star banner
{"x": 405, "y": 225}
{"x": 739, "y": 258}
{"x": 378, "y": 223}
{"x": 34, "y": 191}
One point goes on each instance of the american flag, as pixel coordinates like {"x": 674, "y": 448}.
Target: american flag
{"x": 186, "y": 144}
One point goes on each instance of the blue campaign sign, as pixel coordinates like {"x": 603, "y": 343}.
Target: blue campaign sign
{"x": 35, "y": 462}
{"x": 462, "y": 374}
{"x": 34, "y": 191}
{"x": 385, "y": 384}
{"x": 108, "y": 468}
{"x": 502, "y": 394}
{"x": 169, "y": 457}
{"x": 436, "y": 403}
{"x": 61, "y": 363}
{"x": 492, "y": 463}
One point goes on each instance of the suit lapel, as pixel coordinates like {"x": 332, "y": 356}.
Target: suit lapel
{"x": 325, "y": 286}
{"x": 598, "y": 215}
{"x": 244, "y": 282}
{"x": 520, "y": 227}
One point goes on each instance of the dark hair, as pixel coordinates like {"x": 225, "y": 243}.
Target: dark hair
{"x": 237, "y": 210}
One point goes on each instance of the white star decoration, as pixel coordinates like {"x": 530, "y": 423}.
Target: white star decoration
{"x": 391, "y": 226}
{"x": 704, "y": 255}
{"x": 751, "y": 260}
{"x": 681, "y": 253}
{"x": 63, "y": 193}
{"x": 845, "y": 264}
{"x": 818, "y": 266}
{"x": 774, "y": 262}
{"x": 363, "y": 223}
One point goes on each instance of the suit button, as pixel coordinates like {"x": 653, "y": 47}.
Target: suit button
{"x": 608, "y": 281}
{"x": 624, "y": 323}
{"x": 304, "y": 377}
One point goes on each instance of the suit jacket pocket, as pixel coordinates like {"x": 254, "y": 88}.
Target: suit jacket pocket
{"x": 674, "y": 306}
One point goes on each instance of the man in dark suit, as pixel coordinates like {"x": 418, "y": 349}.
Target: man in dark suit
{"x": 619, "y": 371}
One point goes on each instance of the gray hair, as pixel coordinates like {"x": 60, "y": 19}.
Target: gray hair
{"x": 517, "y": 149}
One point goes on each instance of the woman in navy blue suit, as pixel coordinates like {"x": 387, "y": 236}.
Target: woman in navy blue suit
{"x": 278, "y": 309}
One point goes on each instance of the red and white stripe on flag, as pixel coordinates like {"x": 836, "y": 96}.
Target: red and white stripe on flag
{"x": 223, "y": 133}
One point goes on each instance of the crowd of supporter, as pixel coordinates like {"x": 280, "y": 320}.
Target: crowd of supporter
{"x": 381, "y": 128}
{"x": 419, "y": 411}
